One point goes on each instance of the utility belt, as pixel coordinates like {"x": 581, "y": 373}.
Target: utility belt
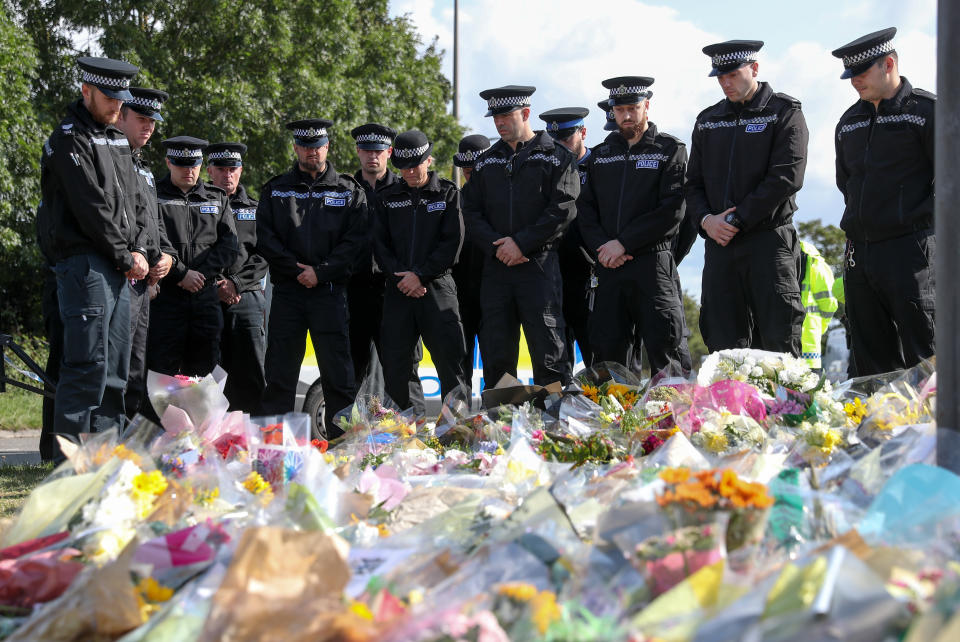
{"x": 849, "y": 259}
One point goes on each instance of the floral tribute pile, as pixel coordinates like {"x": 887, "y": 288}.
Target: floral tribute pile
{"x": 751, "y": 501}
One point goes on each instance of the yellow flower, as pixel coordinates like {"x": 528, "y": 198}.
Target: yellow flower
{"x": 147, "y": 484}
{"x": 383, "y": 530}
{"x": 856, "y": 411}
{"x": 591, "y": 392}
{"x": 122, "y": 452}
{"x": 715, "y": 441}
{"x": 153, "y": 591}
{"x": 545, "y": 610}
{"x": 675, "y": 475}
{"x": 518, "y": 591}
{"x": 207, "y": 497}
{"x": 360, "y": 609}
{"x": 258, "y": 486}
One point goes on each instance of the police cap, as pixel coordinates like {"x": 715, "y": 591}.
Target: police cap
{"x": 503, "y": 100}
{"x": 628, "y": 90}
{"x": 185, "y": 151}
{"x": 112, "y": 77}
{"x": 469, "y": 149}
{"x": 611, "y": 124}
{"x": 310, "y": 132}
{"x": 373, "y": 136}
{"x": 410, "y": 149}
{"x": 147, "y": 102}
{"x": 858, "y": 55}
{"x": 563, "y": 122}
{"x": 226, "y": 154}
{"x": 731, "y": 55}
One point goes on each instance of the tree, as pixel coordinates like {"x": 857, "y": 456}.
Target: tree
{"x": 829, "y": 239}
{"x": 20, "y": 141}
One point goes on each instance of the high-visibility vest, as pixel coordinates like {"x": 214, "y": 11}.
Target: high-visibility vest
{"x": 838, "y": 291}
{"x": 818, "y": 301}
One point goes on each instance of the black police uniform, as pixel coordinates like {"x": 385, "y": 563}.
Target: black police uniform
{"x": 751, "y": 156}
{"x": 156, "y": 243}
{"x": 529, "y": 195}
{"x": 242, "y": 341}
{"x": 576, "y": 271}
{"x": 88, "y": 184}
{"x": 885, "y": 170}
{"x": 634, "y": 194}
{"x": 420, "y": 230}
{"x": 52, "y": 326}
{"x": 365, "y": 292}
{"x": 185, "y": 327}
{"x": 320, "y": 222}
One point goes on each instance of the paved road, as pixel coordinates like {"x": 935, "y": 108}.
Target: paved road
{"x": 19, "y": 447}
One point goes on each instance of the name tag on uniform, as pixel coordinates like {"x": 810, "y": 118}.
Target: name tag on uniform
{"x": 648, "y": 164}
{"x": 334, "y": 201}
{"x": 209, "y": 209}
{"x": 756, "y": 128}
{"x": 439, "y": 206}
{"x": 246, "y": 214}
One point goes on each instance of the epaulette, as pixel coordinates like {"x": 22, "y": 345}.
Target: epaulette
{"x": 671, "y": 137}
{"x": 787, "y": 97}
{"x": 350, "y": 179}
{"x": 923, "y": 93}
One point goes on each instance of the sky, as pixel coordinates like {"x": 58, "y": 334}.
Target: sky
{"x": 567, "y": 48}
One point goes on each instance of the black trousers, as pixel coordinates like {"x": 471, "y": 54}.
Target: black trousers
{"x": 365, "y": 300}
{"x": 575, "y": 272}
{"x": 321, "y": 310}
{"x": 528, "y": 295}
{"x": 436, "y": 318}
{"x": 53, "y": 327}
{"x": 184, "y": 334}
{"x": 750, "y": 285}
{"x": 468, "y": 302}
{"x": 890, "y": 299}
{"x": 638, "y": 302}
{"x": 136, "y": 394}
{"x": 242, "y": 348}
{"x": 94, "y": 303}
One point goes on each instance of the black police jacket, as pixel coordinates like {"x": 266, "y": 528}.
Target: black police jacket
{"x": 152, "y": 226}
{"x": 885, "y": 165}
{"x": 200, "y": 227}
{"x": 320, "y": 222}
{"x": 573, "y": 261}
{"x": 634, "y": 194}
{"x": 751, "y": 156}
{"x": 529, "y": 195}
{"x": 89, "y": 186}
{"x": 366, "y": 272}
{"x": 249, "y": 269}
{"x": 418, "y": 229}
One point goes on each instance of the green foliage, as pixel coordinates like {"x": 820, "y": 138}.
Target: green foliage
{"x": 691, "y": 313}
{"x": 829, "y": 239}
{"x": 20, "y": 141}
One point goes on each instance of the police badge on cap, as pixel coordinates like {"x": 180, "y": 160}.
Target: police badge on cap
{"x": 611, "y": 124}
{"x": 185, "y": 151}
{"x": 112, "y": 77}
{"x": 310, "y": 132}
{"x": 147, "y": 102}
{"x": 731, "y": 55}
{"x": 503, "y": 100}
{"x": 562, "y": 123}
{"x": 410, "y": 149}
{"x": 373, "y": 136}
{"x": 858, "y": 55}
{"x": 628, "y": 90}
{"x": 470, "y": 149}
{"x": 226, "y": 154}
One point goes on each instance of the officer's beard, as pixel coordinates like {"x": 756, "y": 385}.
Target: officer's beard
{"x": 632, "y": 131}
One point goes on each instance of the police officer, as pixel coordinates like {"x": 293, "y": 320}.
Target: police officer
{"x": 240, "y": 289}
{"x": 186, "y": 320}
{"x": 367, "y": 283}
{"x": 418, "y": 231}
{"x": 629, "y": 213}
{"x": 89, "y": 188}
{"x": 469, "y": 266}
{"x": 519, "y": 200}
{"x": 312, "y": 223}
{"x": 819, "y": 304}
{"x": 138, "y": 119}
{"x": 885, "y": 170}
{"x": 566, "y": 126}
{"x": 747, "y": 162}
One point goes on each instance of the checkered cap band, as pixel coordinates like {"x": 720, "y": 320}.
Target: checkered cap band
{"x": 175, "y": 152}
{"x": 469, "y": 157}
{"x": 627, "y": 91}
{"x": 734, "y": 56}
{"x": 374, "y": 138}
{"x": 149, "y": 103}
{"x": 310, "y": 132}
{"x": 508, "y": 101}
{"x": 227, "y": 154}
{"x": 868, "y": 54}
{"x": 411, "y": 152}
{"x": 106, "y": 81}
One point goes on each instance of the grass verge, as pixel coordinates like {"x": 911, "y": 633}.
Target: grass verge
{"x": 20, "y": 409}
{"x": 17, "y": 482}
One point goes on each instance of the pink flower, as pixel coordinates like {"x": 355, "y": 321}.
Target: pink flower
{"x": 537, "y": 435}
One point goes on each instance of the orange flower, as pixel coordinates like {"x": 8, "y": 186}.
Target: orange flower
{"x": 729, "y": 483}
{"x": 675, "y": 475}
{"x": 668, "y": 497}
{"x": 697, "y": 493}
{"x": 708, "y": 478}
